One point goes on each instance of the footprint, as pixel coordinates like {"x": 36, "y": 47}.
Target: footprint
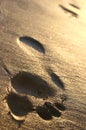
{"x": 74, "y": 6}
{"x": 69, "y": 11}
{"x": 19, "y": 106}
{"x": 29, "y": 41}
{"x": 33, "y": 85}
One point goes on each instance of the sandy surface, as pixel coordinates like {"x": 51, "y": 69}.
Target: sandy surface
{"x": 42, "y": 65}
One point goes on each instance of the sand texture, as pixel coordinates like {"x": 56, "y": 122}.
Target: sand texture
{"x": 42, "y": 64}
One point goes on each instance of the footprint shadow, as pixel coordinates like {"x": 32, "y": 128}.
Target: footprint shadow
{"x": 29, "y": 41}
{"x": 66, "y": 10}
{"x": 19, "y": 105}
{"x": 33, "y": 85}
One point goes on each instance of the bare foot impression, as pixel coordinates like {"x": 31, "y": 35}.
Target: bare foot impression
{"x": 20, "y": 104}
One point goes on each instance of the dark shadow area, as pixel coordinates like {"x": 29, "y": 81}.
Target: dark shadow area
{"x": 74, "y": 6}
{"x": 43, "y": 112}
{"x": 69, "y": 11}
{"x": 52, "y": 109}
{"x": 56, "y": 79}
{"x": 60, "y": 106}
{"x": 29, "y": 84}
{"x": 33, "y": 43}
{"x": 19, "y": 105}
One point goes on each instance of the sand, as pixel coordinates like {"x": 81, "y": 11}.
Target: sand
{"x": 42, "y": 65}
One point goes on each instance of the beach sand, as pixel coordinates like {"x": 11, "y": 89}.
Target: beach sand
{"x": 42, "y": 65}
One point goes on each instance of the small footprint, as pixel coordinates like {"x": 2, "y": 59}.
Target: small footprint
{"x": 29, "y": 41}
{"x": 69, "y": 11}
{"x": 74, "y": 6}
